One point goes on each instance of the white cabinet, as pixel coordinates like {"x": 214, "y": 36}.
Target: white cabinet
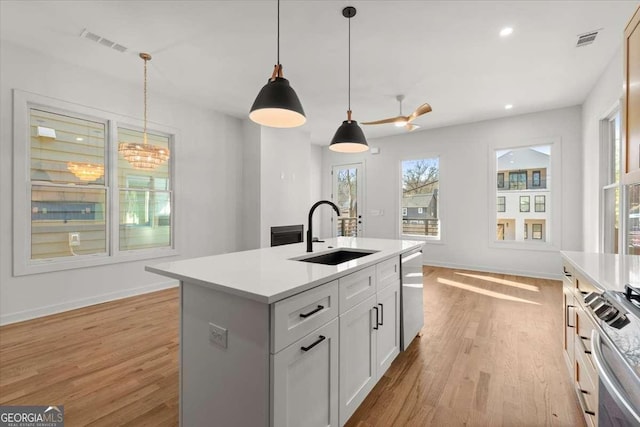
{"x": 357, "y": 356}
{"x": 305, "y": 380}
{"x": 369, "y": 342}
{"x": 388, "y": 332}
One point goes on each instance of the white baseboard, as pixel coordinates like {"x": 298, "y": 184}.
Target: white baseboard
{"x": 536, "y": 275}
{"x": 20, "y": 316}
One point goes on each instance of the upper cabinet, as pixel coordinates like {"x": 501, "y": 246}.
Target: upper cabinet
{"x": 631, "y": 104}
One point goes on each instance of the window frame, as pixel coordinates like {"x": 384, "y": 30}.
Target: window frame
{"x": 533, "y": 231}
{"x": 608, "y": 181}
{"x": 23, "y": 102}
{"x": 528, "y": 204}
{"x": 503, "y": 204}
{"x": 501, "y": 180}
{"x": 536, "y": 203}
{"x": 441, "y": 207}
{"x": 553, "y": 233}
{"x": 535, "y": 174}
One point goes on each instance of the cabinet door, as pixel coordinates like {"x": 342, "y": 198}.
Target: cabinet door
{"x": 631, "y": 111}
{"x": 568, "y": 328}
{"x": 388, "y": 340}
{"x": 305, "y": 380}
{"x": 357, "y": 356}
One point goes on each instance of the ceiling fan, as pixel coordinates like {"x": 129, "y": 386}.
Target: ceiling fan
{"x": 401, "y": 120}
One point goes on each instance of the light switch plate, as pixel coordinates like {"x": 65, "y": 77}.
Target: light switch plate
{"x": 218, "y": 335}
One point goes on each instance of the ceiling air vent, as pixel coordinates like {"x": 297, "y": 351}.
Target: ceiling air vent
{"x": 587, "y": 38}
{"x": 101, "y": 40}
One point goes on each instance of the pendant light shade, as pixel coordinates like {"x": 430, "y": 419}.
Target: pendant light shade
{"x": 349, "y": 138}
{"x": 277, "y": 105}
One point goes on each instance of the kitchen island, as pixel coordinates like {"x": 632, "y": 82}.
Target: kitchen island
{"x": 269, "y": 339}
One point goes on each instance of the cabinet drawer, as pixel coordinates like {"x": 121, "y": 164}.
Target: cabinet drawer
{"x": 583, "y": 286}
{"x": 568, "y": 274}
{"x": 356, "y": 288}
{"x": 583, "y": 329}
{"x": 295, "y": 317}
{"x": 388, "y": 272}
{"x": 586, "y": 384}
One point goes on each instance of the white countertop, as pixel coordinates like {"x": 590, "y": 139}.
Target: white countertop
{"x": 268, "y": 275}
{"x": 606, "y": 271}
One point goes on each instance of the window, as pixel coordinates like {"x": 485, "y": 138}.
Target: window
{"x": 500, "y": 180}
{"x": 535, "y": 179}
{"x": 536, "y": 231}
{"x": 517, "y": 180}
{"x": 86, "y": 207}
{"x": 611, "y": 241}
{"x": 528, "y": 171}
{"x": 421, "y": 198}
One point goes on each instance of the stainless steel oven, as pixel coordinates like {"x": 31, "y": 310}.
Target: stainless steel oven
{"x": 616, "y": 353}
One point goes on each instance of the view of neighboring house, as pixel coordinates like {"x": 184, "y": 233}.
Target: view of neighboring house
{"x": 523, "y": 196}
{"x": 420, "y": 214}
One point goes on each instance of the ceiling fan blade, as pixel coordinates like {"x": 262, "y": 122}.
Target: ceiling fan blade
{"x": 389, "y": 120}
{"x": 423, "y": 109}
{"x": 411, "y": 126}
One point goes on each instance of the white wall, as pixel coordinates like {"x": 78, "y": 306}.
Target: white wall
{"x": 604, "y": 96}
{"x": 208, "y": 183}
{"x": 285, "y": 165}
{"x": 464, "y": 185}
{"x": 251, "y": 206}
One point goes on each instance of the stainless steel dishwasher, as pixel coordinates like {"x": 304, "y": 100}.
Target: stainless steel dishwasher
{"x": 412, "y": 312}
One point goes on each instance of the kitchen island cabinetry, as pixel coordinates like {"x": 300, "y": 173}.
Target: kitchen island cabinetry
{"x": 270, "y": 340}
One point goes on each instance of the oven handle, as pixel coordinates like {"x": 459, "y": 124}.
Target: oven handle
{"x": 606, "y": 376}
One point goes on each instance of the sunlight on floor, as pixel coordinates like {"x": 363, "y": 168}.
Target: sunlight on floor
{"x": 483, "y": 291}
{"x": 502, "y": 281}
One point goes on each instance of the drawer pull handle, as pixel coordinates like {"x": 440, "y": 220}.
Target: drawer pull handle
{"x": 320, "y": 339}
{"x": 590, "y": 413}
{"x": 584, "y": 391}
{"x": 312, "y": 312}
{"x": 381, "y": 314}
{"x": 584, "y": 338}
{"x": 377, "y": 321}
{"x": 587, "y": 352}
{"x": 568, "y": 315}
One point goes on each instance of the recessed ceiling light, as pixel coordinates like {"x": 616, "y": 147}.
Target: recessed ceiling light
{"x": 508, "y": 107}
{"x": 506, "y": 31}
{"x": 79, "y": 139}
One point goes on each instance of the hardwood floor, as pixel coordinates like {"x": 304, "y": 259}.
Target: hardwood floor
{"x": 109, "y": 364}
{"x": 490, "y": 355}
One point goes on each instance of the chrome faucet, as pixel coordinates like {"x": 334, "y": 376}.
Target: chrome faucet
{"x": 313, "y": 208}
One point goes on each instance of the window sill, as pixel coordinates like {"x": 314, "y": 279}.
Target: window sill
{"x": 429, "y": 240}
{"x": 83, "y": 261}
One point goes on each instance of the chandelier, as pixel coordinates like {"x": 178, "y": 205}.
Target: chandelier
{"x": 86, "y": 171}
{"x": 144, "y": 156}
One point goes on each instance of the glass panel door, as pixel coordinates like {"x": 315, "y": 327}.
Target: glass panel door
{"x": 347, "y": 195}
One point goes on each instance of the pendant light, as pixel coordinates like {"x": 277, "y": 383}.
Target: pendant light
{"x": 144, "y": 156}
{"x": 349, "y": 138}
{"x": 277, "y": 104}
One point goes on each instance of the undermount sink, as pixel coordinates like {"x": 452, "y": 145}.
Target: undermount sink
{"x": 337, "y": 257}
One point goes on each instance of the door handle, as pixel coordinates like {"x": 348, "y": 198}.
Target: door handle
{"x": 307, "y": 348}
{"x": 381, "y": 314}
{"x": 567, "y": 313}
{"x": 377, "y": 322}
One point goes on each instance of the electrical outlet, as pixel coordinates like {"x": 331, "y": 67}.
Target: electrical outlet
{"x": 218, "y": 335}
{"x": 74, "y": 239}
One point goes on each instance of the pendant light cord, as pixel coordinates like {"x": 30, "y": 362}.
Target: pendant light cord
{"x": 349, "y": 111}
{"x": 278, "y": 34}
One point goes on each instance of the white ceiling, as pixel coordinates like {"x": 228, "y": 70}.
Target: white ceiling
{"x": 218, "y": 54}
